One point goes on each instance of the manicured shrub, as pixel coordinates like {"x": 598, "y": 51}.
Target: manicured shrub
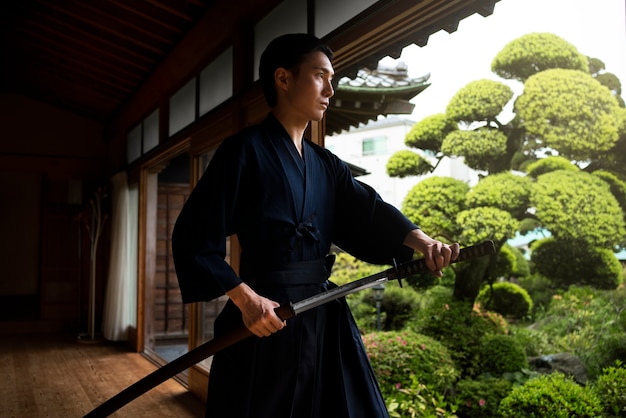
{"x": 611, "y": 389}
{"x": 399, "y": 357}
{"x": 501, "y": 354}
{"x": 480, "y": 398}
{"x": 553, "y": 396}
{"x": 506, "y": 298}
{"x": 566, "y": 264}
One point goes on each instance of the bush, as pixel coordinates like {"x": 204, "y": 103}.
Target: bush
{"x": 399, "y": 357}
{"x": 568, "y": 264}
{"x": 502, "y": 354}
{"x": 553, "y": 396}
{"x": 611, "y": 389}
{"x": 398, "y": 306}
{"x": 540, "y": 289}
{"x": 590, "y": 323}
{"x": 535, "y": 342}
{"x": 508, "y": 299}
{"x": 419, "y": 400}
{"x": 458, "y": 326}
{"x": 480, "y": 398}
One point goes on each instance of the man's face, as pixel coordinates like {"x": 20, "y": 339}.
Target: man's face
{"x": 310, "y": 90}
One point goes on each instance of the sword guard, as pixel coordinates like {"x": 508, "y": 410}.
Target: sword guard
{"x": 397, "y": 271}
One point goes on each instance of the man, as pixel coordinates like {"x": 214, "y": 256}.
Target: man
{"x": 287, "y": 200}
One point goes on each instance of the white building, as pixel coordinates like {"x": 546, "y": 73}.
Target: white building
{"x": 370, "y": 146}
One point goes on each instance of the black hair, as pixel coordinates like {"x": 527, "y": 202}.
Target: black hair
{"x": 286, "y": 51}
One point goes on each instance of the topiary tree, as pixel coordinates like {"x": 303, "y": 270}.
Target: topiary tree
{"x": 549, "y": 164}
{"x": 434, "y": 203}
{"x": 480, "y": 100}
{"x": 536, "y": 52}
{"x": 567, "y": 123}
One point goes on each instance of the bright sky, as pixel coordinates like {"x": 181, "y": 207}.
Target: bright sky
{"x": 596, "y": 27}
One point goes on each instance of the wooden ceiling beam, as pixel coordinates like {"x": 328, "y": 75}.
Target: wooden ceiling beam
{"x": 111, "y": 31}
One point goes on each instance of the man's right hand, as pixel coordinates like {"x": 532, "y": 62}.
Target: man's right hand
{"x": 257, "y": 311}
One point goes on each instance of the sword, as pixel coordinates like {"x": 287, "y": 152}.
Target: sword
{"x": 285, "y": 312}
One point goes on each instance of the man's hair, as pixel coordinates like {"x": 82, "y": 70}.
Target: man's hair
{"x": 286, "y": 51}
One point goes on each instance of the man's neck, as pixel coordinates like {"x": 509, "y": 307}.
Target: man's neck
{"x": 294, "y": 127}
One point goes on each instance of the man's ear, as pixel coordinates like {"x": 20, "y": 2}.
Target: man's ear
{"x": 281, "y": 78}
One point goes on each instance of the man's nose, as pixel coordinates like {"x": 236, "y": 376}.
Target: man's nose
{"x": 328, "y": 90}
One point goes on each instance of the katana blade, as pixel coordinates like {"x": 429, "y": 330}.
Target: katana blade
{"x": 285, "y": 312}
{"x": 397, "y": 272}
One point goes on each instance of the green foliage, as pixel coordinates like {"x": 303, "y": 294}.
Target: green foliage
{"x": 426, "y": 280}
{"x": 503, "y": 190}
{"x": 434, "y": 203}
{"x": 502, "y": 354}
{"x": 616, "y": 185}
{"x": 347, "y": 269}
{"x": 548, "y": 165}
{"x": 535, "y": 342}
{"x": 479, "y": 148}
{"x": 480, "y": 224}
{"x": 590, "y": 323}
{"x": 579, "y": 208}
{"x": 428, "y": 134}
{"x": 610, "y": 81}
{"x": 397, "y": 356}
{"x": 595, "y": 66}
{"x": 458, "y": 326}
{"x": 506, "y": 298}
{"x": 566, "y": 264}
{"x": 480, "y": 398}
{"x": 551, "y": 395}
{"x": 520, "y": 267}
{"x": 420, "y": 400}
{"x": 406, "y": 163}
{"x": 541, "y": 290}
{"x": 481, "y": 100}
{"x": 397, "y": 307}
{"x": 535, "y": 52}
{"x": 611, "y": 389}
{"x": 505, "y": 263}
{"x": 570, "y": 112}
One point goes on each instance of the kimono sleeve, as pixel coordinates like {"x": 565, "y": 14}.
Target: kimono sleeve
{"x": 206, "y": 220}
{"x": 366, "y": 226}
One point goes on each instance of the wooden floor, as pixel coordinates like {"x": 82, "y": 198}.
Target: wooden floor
{"x": 55, "y": 376}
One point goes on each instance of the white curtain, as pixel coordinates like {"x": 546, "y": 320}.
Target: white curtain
{"x": 120, "y": 301}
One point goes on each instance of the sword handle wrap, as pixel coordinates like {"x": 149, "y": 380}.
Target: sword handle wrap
{"x": 417, "y": 266}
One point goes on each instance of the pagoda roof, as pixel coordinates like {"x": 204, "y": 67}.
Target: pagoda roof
{"x": 370, "y": 93}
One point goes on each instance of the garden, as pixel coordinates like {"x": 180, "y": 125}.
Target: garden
{"x": 438, "y": 357}
{"x": 538, "y": 331}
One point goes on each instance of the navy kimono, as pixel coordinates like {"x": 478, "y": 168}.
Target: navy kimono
{"x": 286, "y": 211}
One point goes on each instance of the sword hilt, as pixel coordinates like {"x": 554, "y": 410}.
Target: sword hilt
{"x": 418, "y": 266}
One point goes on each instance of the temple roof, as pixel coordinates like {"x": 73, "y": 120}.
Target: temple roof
{"x": 383, "y": 91}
